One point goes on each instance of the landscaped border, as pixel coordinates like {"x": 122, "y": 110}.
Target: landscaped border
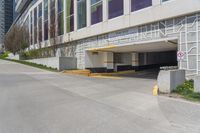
{"x": 32, "y": 64}
{"x": 186, "y": 91}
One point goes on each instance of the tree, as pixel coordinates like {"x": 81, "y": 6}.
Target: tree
{"x": 53, "y": 36}
{"x": 24, "y": 38}
{"x": 17, "y": 39}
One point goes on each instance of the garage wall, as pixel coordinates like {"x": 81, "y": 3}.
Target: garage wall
{"x": 157, "y": 58}
{"x": 123, "y": 58}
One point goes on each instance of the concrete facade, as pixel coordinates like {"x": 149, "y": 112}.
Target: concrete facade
{"x": 173, "y": 25}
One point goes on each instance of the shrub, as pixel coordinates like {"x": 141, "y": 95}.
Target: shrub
{"x": 195, "y": 95}
{"x": 186, "y": 88}
{"x": 5, "y": 55}
{"x": 37, "y": 53}
{"x": 187, "y": 91}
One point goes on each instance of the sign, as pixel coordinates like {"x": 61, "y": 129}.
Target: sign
{"x": 180, "y": 55}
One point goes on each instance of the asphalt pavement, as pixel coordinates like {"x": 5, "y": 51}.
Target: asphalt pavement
{"x": 38, "y": 101}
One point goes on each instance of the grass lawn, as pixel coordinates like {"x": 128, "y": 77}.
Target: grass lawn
{"x": 32, "y": 64}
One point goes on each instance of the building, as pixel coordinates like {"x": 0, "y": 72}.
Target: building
{"x": 15, "y": 14}
{"x": 6, "y": 18}
{"x": 113, "y": 35}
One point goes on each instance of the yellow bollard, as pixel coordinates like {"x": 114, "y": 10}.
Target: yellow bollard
{"x": 155, "y": 90}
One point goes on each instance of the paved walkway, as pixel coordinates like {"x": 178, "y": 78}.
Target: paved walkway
{"x": 37, "y": 101}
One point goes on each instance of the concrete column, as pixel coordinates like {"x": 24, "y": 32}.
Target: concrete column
{"x": 105, "y": 10}
{"x": 135, "y": 60}
{"x": 75, "y": 15}
{"x": 88, "y": 5}
{"x": 108, "y": 60}
{"x": 127, "y": 7}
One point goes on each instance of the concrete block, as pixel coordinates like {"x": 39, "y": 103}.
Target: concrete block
{"x": 168, "y": 80}
{"x": 197, "y": 84}
{"x": 67, "y": 63}
{"x": 60, "y": 63}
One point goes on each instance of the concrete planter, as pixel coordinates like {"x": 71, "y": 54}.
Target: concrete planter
{"x": 168, "y": 80}
{"x": 60, "y": 63}
{"x": 197, "y": 84}
{"x": 13, "y": 57}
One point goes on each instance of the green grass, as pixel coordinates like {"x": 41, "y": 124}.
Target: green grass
{"x": 186, "y": 90}
{"x": 32, "y": 64}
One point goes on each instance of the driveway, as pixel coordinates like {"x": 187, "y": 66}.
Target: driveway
{"x": 38, "y": 101}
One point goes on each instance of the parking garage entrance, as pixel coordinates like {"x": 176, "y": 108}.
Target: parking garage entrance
{"x": 137, "y": 56}
{"x": 142, "y": 61}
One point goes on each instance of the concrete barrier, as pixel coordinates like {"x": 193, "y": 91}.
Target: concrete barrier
{"x": 168, "y": 80}
{"x": 60, "y": 63}
{"x": 197, "y": 84}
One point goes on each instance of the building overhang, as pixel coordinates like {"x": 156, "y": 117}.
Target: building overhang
{"x": 160, "y": 45}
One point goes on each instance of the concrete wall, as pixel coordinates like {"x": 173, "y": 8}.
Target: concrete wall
{"x": 99, "y": 60}
{"x": 94, "y": 59}
{"x": 67, "y": 63}
{"x": 123, "y": 58}
{"x": 197, "y": 84}
{"x": 13, "y": 57}
{"x": 60, "y": 63}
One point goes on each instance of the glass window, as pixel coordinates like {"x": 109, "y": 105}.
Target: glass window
{"x": 40, "y": 22}
{"x": 81, "y": 13}
{"x": 96, "y": 11}
{"x": 70, "y": 15}
{"x": 26, "y": 30}
{"x": 45, "y": 9}
{"x": 35, "y": 25}
{"x": 115, "y": 8}
{"x": 164, "y": 0}
{"x": 140, "y": 4}
{"x": 40, "y": 10}
{"x": 31, "y": 28}
{"x": 46, "y": 20}
{"x": 46, "y": 30}
{"x": 60, "y": 17}
{"x": 52, "y": 19}
{"x": 60, "y": 5}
